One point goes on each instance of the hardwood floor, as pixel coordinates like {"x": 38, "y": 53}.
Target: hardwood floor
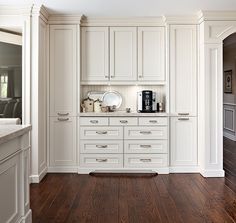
{"x": 170, "y": 198}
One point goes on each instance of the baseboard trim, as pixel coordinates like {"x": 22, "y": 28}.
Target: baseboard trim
{"x": 212, "y": 173}
{"x": 83, "y": 170}
{"x": 184, "y": 169}
{"x": 229, "y": 136}
{"x": 63, "y": 169}
{"x": 38, "y": 178}
{"x": 27, "y": 218}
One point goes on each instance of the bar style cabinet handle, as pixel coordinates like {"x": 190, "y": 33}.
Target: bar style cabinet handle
{"x": 101, "y": 146}
{"x": 183, "y": 119}
{"x": 63, "y": 119}
{"x": 101, "y": 132}
{"x": 145, "y": 132}
{"x": 94, "y": 121}
{"x": 101, "y": 160}
{"x": 123, "y": 121}
{"x": 62, "y": 114}
{"x": 145, "y": 146}
{"x": 146, "y": 160}
{"x": 153, "y": 121}
{"x": 183, "y": 113}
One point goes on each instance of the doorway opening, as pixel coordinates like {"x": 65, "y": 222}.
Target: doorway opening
{"x": 229, "y": 107}
{"x": 11, "y": 74}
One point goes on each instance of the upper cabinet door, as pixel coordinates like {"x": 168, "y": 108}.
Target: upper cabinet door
{"x": 123, "y": 53}
{"x": 63, "y": 49}
{"x": 183, "y": 69}
{"x": 151, "y": 53}
{"x": 95, "y": 66}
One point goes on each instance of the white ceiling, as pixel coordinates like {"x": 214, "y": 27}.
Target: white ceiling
{"x": 129, "y": 7}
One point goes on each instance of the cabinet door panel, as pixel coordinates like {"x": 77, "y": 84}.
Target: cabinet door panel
{"x": 63, "y": 69}
{"x": 95, "y": 53}
{"x": 151, "y": 53}
{"x": 62, "y": 141}
{"x": 183, "y": 141}
{"x": 123, "y": 53}
{"x": 183, "y": 69}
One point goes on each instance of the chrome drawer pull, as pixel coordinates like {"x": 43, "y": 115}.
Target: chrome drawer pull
{"x": 145, "y": 132}
{"x": 153, "y": 121}
{"x": 183, "y": 113}
{"x": 183, "y": 119}
{"x": 123, "y": 121}
{"x": 101, "y": 160}
{"x": 101, "y": 132}
{"x": 101, "y": 146}
{"x": 145, "y": 146}
{"x": 146, "y": 160}
{"x": 63, "y": 119}
{"x": 94, "y": 121}
{"x": 63, "y": 114}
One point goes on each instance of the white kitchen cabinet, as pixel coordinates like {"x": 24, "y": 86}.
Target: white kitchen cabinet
{"x": 63, "y": 66}
{"x": 183, "y": 141}
{"x": 62, "y": 141}
{"x": 123, "y": 53}
{"x": 151, "y": 53}
{"x": 95, "y": 49}
{"x": 183, "y": 69}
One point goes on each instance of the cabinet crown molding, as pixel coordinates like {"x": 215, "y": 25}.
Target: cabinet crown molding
{"x": 40, "y": 10}
{"x": 122, "y": 21}
{"x": 216, "y": 16}
{"x": 184, "y": 20}
{"x": 65, "y": 19}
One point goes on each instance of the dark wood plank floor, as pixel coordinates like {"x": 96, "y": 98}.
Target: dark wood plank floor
{"x": 169, "y": 198}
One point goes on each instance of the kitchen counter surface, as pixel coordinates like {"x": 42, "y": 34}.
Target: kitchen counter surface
{"x": 8, "y": 132}
{"x": 123, "y": 114}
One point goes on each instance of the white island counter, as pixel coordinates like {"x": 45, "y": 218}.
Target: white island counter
{"x": 14, "y": 173}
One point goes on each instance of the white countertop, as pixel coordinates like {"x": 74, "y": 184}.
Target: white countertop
{"x": 123, "y": 114}
{"x": 8, "y": 132}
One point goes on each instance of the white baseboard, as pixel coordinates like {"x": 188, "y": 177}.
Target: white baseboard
{"x": 63, "y": 169}
{"x": 164, "y": 170}
{"x": 184, "y": 169}
{"x": 212, "y": 173}
{"x": 27, "y": 218}
{"x": 229, "y": 136}
{"x": 38, "y": 178}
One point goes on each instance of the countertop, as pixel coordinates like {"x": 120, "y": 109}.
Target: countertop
{"x": 123, "y": 114}
{"x": 8, "y": 132}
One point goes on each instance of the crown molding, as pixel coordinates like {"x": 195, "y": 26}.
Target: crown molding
{"x": 216, "y": 16}
{"x": 64, "y": 19}
{"x": 40, "y": 11}
{"x": 6, "y": 10}
{"x": 122, "y": 21}
{"x": 185, "y": 20}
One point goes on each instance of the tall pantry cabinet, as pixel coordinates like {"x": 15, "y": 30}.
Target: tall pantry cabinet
{"x": 63, "y": 43}
{"x": 183, "y": 97}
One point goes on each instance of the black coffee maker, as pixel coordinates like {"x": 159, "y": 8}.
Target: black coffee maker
{"x": 146, "y": 101}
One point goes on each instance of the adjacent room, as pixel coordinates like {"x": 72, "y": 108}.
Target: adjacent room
{"x": 117, "y": 111}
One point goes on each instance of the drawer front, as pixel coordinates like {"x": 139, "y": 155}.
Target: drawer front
{"x": 145, "y": 132}
{"x": 153, "y": 121}
{"x": 93, "y": 121}
{"x": 145, "y": 146}
{"x": 101, "y": 160}
{"x": 123, "y": 121}
{"x": 145, "y": 160}
{"x": 104, "y": 146}
{"x": 101, "y": 132}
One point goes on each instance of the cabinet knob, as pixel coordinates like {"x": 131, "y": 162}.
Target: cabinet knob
{"x": 145, "y": 146}
{"x": 101, "y": 132}
{"x": 145, "y": 160}
{"x": 94, "y": 121}
{"x": 101, "y": 160}
{"x": 145, "y": 132}
{"x": 123, "y": 121}
{"x": 183, "y": 119}
{"x": 101, "y": 146}
{"x": 183, "y": 113}
{"x": 63, "y": 114}
{"x": 153, "y": 121}
{"x": 63, "y": 119}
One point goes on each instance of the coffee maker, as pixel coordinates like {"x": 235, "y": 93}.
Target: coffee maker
{"x": 147, "y": 101}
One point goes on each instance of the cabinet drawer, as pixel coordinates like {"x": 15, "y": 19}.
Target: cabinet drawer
{"x": 153, "y": 121}
{"x": 145, "y": 146}
{"x": 101, "y": 132}
{"x": 98, "y": 146}
{"x": 93, "y": 121}
{"x": 101, "y": 160}
{"x": 145, "y": 132}
{"x": 123, "y": 121}
{"x": 145, "y": 160}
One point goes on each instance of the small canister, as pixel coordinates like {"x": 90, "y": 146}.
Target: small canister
{"x": 97, "y": 106}
{"x": 88, "y": 104}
